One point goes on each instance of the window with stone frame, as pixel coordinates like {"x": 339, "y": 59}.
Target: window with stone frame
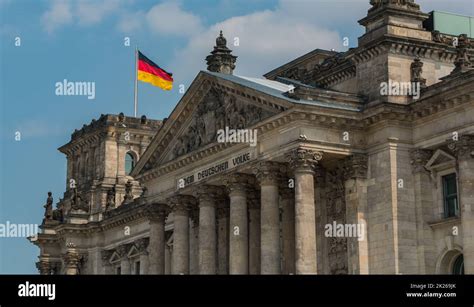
{"x": 442, "y": 168}
{"x": 450, "y": 195}
{"x": 129, "y": 162}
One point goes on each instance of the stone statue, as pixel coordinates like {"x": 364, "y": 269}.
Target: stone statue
{"x": 58, "y": 212}
{"x": 110, "y": 202}
{"x": 128, "y": 192}
{"x": 409, "y": 4}
{"x": 416, "y": 70}
{"x": 77, "y": 203}
{"x": 48, "y": 213}
{"x": 462, "y": 62}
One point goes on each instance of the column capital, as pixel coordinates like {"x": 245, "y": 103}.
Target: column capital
{"x": 44, "y": 266}
{"x": 268, "y": 172}
{"x": 181, "y": 204}
{"x": 208, "y": 194}
{"x": 302, "y": 159}
{"x": 463, "y": 148}
{"x": 419, "y": 158}
{"x": 239, "y": 182}
{"x": 356, "y": 166}
{"x": 157, "y": 212}
{"x": 73, "y": 261}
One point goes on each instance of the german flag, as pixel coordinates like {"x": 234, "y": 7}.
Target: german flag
{"x": 152, "y": 73}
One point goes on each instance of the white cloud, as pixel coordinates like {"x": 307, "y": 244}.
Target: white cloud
{"x": 169, "y": 19}
{"x": 38, "y": 128}
{"x": 90, "y": 12}
{"x": 59, "y": 14}
{"x": 131, "y": 22}
{"x": 83, "y": 12}
{"x": 267, "y": 39}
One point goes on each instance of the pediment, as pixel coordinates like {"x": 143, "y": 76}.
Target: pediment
{"x": 216, "y": 111}
{"x": 205, "y": 108}
{"x": 115, "y": 258}
{"x": 439, "y": 159}
{"x": 133, "y": 252}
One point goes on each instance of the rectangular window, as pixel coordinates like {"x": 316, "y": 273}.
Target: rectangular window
{"x": 137, "y": 268}
{"x": 119, "y": 270}
{"x": 450, "y": 195}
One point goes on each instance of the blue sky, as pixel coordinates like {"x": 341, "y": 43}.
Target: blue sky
{"x": 84, "y": 41}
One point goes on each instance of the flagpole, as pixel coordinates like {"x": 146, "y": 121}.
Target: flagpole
{"x": 135, "y": 104}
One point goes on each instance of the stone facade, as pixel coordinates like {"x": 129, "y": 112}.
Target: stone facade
{"x": 333, "y": 150}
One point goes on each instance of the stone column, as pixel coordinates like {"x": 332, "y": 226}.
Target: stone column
{"x": 207, "y": 197}
{"x": 287, "y": 204}
{"x": 44, "y": 266}
{"x": 302, "y": 162}
{"x": 253, "y": 203}
{"x": 426, "y": 253}
{"x": 223, "y": 238}
{"x": 72, "y": 260}
{"x": 156, "y": 247}
{"x": 194, "y": 240}
{"x": 238, "y": 228}
{"x": 125, "y": 267}
{"x": 464, "y": 150}
{"x": 355, "y": 176}
{"x": 268, "y": 175}
{"x": 142, "y": 246}
{"x": 180, "y": 205}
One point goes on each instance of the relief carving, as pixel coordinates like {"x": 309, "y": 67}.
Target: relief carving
{"x": 217, "y": 111}
{"x": 336, "y": 211}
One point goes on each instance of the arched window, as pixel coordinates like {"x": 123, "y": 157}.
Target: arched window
{"x": 458, "y": 266}
{"x": 129, "y": 162}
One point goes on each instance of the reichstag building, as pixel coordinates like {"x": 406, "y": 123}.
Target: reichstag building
{"x": 363, "y": 163}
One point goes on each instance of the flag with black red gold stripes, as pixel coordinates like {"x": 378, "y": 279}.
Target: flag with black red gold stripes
{"x": 149, "y": 72}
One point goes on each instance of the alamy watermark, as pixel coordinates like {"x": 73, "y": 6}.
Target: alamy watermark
{"x": 345, "y": 230}
{"x": 395, "y": 88}
{"x": 228, "y": 135}
{"x": 13, "y": 230}
{"x": 28, "y": 289}
{"x": 82, "y": 88}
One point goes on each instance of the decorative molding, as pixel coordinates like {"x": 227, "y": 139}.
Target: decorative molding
{"x": 208, "y": 195}
{"x": 142, "y": 245}
{"x": 181, "y": 204}
{"x": 464, "y": 147}
{"x": 303, "y": 159}
{"x": 356, "y": 166}
{"x": 239, "y": 183}
{"x": 268, "y": 172}
{"x": 157, "y": 212}
{"x": 419, "y": 158}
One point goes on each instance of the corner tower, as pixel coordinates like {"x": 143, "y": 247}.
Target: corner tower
{"x": 100, "y": 157}
{"x": 221, "y": 59}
